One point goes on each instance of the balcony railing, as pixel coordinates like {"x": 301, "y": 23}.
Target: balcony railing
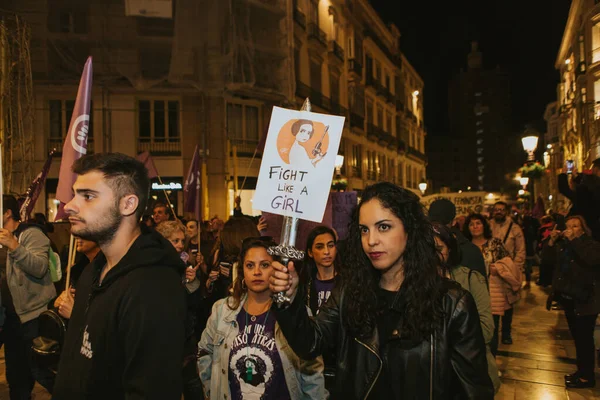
{"x": 300, "y": 18}
{"x": 416, "y": 153}
{"x": 337, "y": 109}
{"x": 244, "y": 147}
{"x": 336, "y": 50}
{"x": 57, "y": 144}
{"x": 159, "y": 146}
{"x": 314, "y": 32}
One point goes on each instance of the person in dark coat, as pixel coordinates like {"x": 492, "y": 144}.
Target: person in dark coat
{"x": 443, "y": 211}
{"x": 576, "y": 256}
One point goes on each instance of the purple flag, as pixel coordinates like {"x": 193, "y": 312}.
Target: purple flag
{"x": 35, "y": 188}
{"x": 76, "y": 141}
{"x": 192, "y": 185}
{"x": 146, "y": 159}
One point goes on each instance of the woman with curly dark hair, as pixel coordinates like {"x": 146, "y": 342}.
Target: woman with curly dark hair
{"x": 401, "y": 330}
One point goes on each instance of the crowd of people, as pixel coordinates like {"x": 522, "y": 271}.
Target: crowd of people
{"x": 412, "y": 303}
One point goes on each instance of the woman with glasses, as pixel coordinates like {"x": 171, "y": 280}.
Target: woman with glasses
{"x": 243, "y": 354}
{"x": 400, "y": 330}
{"x": 504, "y": 276}
{"x": 471, "y": 280}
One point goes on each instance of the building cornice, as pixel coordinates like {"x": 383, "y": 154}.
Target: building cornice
{"x": 570, "y": 30}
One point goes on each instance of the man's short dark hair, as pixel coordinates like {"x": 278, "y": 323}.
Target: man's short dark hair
{"x": 596, "y": 163}
{"x": 125, "y": 175}
{"x": 10, "y": 202}
{"x": 502, "y": 203}
{"x": 160, "y": 205}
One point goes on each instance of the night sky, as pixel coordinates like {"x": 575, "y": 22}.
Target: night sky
{"x": 523, "y": 37}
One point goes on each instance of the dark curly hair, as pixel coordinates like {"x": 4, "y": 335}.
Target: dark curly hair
{"x": 422, "y": 286}
{"x": 444, "y": 233}
{"x": 487, "y": 231}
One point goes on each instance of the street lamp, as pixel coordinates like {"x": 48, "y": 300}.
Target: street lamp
{"x": 524, "y": 181}
{"x": 530, "y": 143}
{"x": 339, "y": 182}
{"x": 423, "y": 186}
{"x": 339, "y": 161}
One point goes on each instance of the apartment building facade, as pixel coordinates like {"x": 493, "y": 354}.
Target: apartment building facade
{"x": 578, "y": 93}
{"x": 210, "y": 74}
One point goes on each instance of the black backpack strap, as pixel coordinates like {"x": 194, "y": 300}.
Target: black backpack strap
{"x": 507, "y": 232}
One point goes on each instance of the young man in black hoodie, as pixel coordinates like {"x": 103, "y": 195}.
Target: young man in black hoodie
{"x": 127, "y": 330}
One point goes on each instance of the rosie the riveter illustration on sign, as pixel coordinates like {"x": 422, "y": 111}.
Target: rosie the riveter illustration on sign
{"x": 298, "y": 162}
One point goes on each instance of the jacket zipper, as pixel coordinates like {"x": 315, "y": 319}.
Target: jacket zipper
{"x": 378, "y": 372}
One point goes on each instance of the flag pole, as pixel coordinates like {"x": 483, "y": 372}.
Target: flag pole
{"x": 167, "y": 197}
{"x": 70, "y": 263}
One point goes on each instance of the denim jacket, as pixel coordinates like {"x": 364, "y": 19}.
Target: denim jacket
{"x": 304, "y": 379}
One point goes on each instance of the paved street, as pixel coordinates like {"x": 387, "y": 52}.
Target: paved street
{"x": 533, "y": 367}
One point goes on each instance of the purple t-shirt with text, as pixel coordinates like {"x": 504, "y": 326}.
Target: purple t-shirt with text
{"x": 255, "y": 370}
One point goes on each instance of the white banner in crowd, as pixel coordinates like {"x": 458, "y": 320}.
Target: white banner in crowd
{"x": 297, "y": 164}
{"x": 467, "y": 202}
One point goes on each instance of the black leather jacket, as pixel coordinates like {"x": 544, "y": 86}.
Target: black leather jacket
{"x": 458, "y": 357}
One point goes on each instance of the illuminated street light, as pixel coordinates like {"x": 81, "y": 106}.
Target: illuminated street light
{"x": 521, "y": 192}
{"x": 423, "y": 186}
{"x": 524, "y": 181}
{"x": 416, "y": 93}
{"x": 530, "y": 143}
{"x": 339, "y": 161}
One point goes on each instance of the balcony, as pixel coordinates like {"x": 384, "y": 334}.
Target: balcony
{"x": 300, "y": 18}
{"x": 316, "y": 35}
{"x": 159, "y": 146}
{"x": 357, "y": 121}
{"x": 244, "y": 147}
{"x": 336, "y": 50}
{"x": 57, "y": 144}
{"x": 416, "y": 154}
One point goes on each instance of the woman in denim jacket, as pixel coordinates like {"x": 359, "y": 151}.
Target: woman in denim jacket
{"x": 243, "y": 353}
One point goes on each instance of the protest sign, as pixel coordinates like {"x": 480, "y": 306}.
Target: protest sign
{"x": 297, "y": 165}
{"x": 342, "y": 204}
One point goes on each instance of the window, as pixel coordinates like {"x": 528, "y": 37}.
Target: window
{"x": 368, "y": 66}
{"x": 369, "y": 111}
{"x": 350, "y": 49}
{"x": 380, "y": 116}
{"x": 158, "y": 127}
{"x": 334, "y": 86}
{"x": 401, "y": 174}
{"x": 242, "y": 126}
{"x": 69, "y": 17}
{"x": 596, "y": 42}
{"x": 388, "y": 122}
{"x": 315, "y": 76}
{"x": 356, "y": 161}
{"x": 387, "y": 81}
{"x": 581, "y": 49}
{"x": 60, "y": 113}
{"x": 378, "y": 71}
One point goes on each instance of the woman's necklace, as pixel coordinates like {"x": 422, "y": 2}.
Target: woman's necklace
{"x": 249, "y": 368}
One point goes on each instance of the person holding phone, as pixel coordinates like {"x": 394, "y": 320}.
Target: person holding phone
{"x": 576, "y": 257}
{"x": 583, "y": 190}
